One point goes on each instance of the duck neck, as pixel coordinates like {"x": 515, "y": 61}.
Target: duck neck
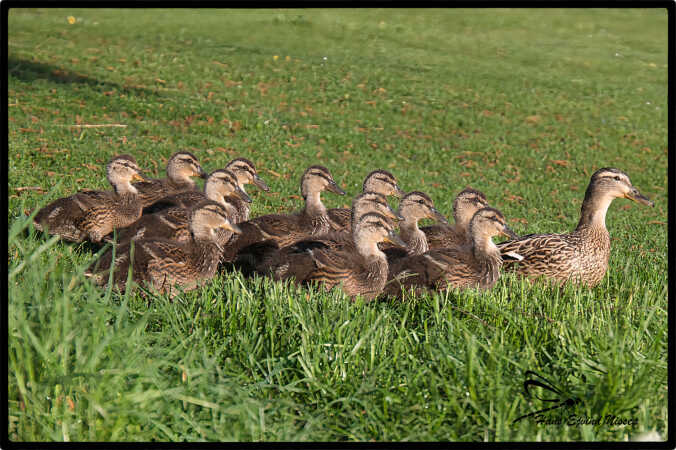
{"x": 206, "y": 253}
{"x": 124, "y": 189}
{"x": 462, "y": 224}
{"x": 488, "y": 258}
{"x": 416, "y": 241}
{"x": 375, "y": 262}
{"x": 316, "y": 212}
{"x": 240, "y": 206}
{"x": 212, "y": 192}
{"x": 594, "y": 209}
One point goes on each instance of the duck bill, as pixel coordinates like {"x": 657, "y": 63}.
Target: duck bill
{"x": 392, "y": 238}
{"x": 232, "y": 227}
{"x": 439, "y": 217}
{"x": 260, "y": 184}
{"x": 506, "y": 231}
{"x": 202, "y": 174}
{"x": 243, "y": 195}
{"x": 636, "y": 196}
{"x": 138, "y": 176}
{"x": 398, "y": 192}
{"x": 333, "y": 187}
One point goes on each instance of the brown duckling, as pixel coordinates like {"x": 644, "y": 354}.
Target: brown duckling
{"x": 477, "y": 265}
{"x": 223, "y": 183}
{"x": 580, "y": 256}
{"x": 280, "y": 230}
{"x": 164, "y": 265}
{"x": 466, "y": 203}
{"x": 180, "y": 168}
{"x": 246, "y": 174}
{"x": 361, "y": 270}
{"x": 269, "y": 257}
{"x": 413, "y": 207}
{"x": 93, "y": 214}
{"x": 173, "y": 221}
{"x": 379, "y": 181}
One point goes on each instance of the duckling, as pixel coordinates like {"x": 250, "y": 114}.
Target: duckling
{"x": 269, "y": 257}
{"x": 581, "y": 256}
{"x": 180, "y": 167}
{"x": 93, "y": 214}
{"x": 475, "y": 265}
{"x": 380, "y": 181}
{"x": 361, "y": 270}
{"x": 223, "y": 184}
{"x": 413, "y": 207}
{"x": 280, "y": 230}
{"x": 246, "y": 174}
{"x": 163, "y": 264}
{"x": 172, "y": 222}
{"x": 466, "y": 203}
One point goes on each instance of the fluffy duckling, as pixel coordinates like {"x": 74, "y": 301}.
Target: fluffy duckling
{"x": 223, "y": 183}
{"x": 246, "y": 174}
{"x": 466, "y": 203}
{"x": 361, "y": 270}
{"x": 173, "y": 221}
{"x": 180, "y": 168}
{"x": 476, "y": 265}
{"x": 90, "y": 215}
{"x": 162, "y": 264}
{"x": 379, "y": 181}
{"x": 414, "y": 206}
{"x": 280, "y": 230}
{"x": 582, "y": 255}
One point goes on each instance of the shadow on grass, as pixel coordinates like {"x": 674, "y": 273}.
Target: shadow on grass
{"x": 30, "y": 71}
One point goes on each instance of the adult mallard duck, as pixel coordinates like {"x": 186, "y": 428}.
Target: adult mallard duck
{"x": 246, "y": 173}
{"x": 360, "y": 270}
{"x": 476, "y": 265}
{"x": 164, "y": 265}
{"x": 280, "y": 230}
{"x": 582, "y": 255}
{"x": 414, "y": 206}
{"x": 269, "y": 257}
{"x": 466, "y": 203}
{"x": 93, "y": 214}
{"x": 180, "y": 168}
{"x": 379, "y": 181}
{"x": 172, "y": 222}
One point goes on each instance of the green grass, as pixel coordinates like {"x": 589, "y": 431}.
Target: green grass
{"x": 521, "y": 104}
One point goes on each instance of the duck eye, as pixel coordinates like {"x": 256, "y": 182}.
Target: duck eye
{"x": 617, "y": 177}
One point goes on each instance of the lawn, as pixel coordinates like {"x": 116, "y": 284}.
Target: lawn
{"x": 521, "y": 104}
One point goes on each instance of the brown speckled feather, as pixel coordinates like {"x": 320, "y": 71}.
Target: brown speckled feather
{"x": 88, "y": 215}
{"x": 152, "y": 190}
{"x": 579, "y": 257}
{"x": 443, "y": 236}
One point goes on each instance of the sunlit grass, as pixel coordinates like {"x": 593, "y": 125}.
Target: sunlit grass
{"x": 443, "y": 99}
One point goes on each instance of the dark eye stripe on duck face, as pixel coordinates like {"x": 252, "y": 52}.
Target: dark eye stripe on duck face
{"x": 418, "y": 197}
{"x": 224, "y": 176}
{"x": 320, "y": 172}
{"x": 374, "y": 220}
{"x": 242, "y": 165}
{"x": 492, "y": 214}
{"x": 211, "y": 207}
{"x": 123, "y": 161}
{"x": 611, "y": 173}
{"x": 380, "y": 175}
